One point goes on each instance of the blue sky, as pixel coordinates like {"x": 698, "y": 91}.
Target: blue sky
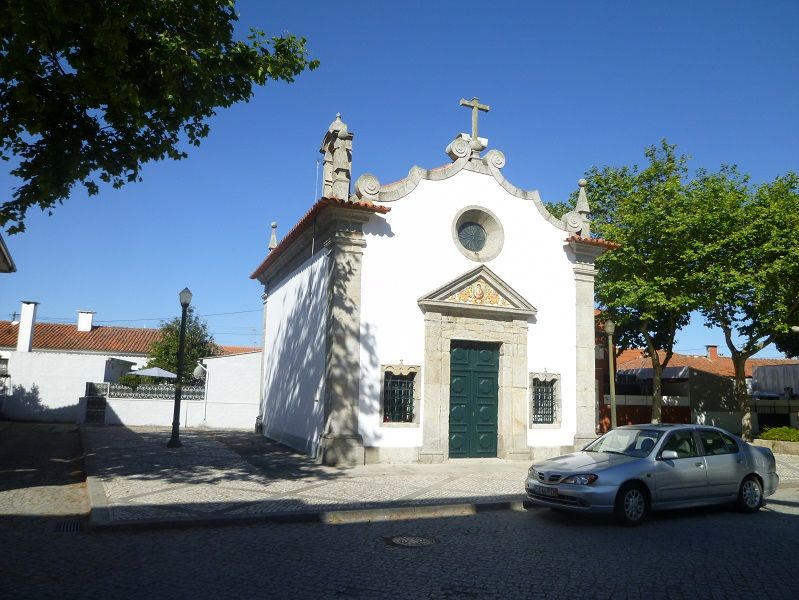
{"x": 570, "y": 85}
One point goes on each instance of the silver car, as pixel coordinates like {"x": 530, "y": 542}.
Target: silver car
{"x": 637, "y": 468}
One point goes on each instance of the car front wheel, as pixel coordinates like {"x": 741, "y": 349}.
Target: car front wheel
{"x": 750, "y": 496}
{"x": 631, "y": 504}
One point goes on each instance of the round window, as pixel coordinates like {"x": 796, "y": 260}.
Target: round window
{"x": 477, "y": 233}
{"x": 472, "y": 236}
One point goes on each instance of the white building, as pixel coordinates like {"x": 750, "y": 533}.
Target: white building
{"x": 447, "y": 315}
{"x": 44, "y": 367}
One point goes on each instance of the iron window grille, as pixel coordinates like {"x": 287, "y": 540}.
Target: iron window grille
{"x": 543, "y": 409}
{"x": 398, "y": 397}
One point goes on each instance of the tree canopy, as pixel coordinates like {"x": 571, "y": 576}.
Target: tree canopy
{"x": 745, "y": 263}
{"x": 643, "y": 284}
{"x": 198, "y": 344}
{"x": 90, "y": 91}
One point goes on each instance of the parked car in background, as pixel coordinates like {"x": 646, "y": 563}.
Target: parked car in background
{"x": 637, "y": 468}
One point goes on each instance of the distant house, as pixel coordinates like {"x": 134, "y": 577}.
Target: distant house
{"x": 44, "y": 367}
{"x": 696, "y": 389}
{"x": 775, "y": 390}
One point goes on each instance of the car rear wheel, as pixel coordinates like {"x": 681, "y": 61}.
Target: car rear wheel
{"x": 632, "y": 504}
{"x": 750, "y": 496}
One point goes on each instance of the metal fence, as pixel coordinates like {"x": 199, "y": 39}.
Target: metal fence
{"x": 164, "y": 391}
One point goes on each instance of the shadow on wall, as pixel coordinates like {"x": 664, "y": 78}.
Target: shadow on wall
{"x": 301, "y": 360}
{"x": 24, "y": 404}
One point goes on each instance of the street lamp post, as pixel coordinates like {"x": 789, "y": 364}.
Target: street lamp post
{"x": 610, "y": 329}
{"x": 185, "y": 300}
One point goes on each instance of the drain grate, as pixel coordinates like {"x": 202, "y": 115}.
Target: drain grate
{"x": 410, "y": 541}
{"x": 72, "y": 526}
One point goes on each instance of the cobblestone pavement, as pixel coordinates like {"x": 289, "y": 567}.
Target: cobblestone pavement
{"x": 713, "y": 553}
{"x": 38, "y": 478}
{"x": 709, "y": 553}
{"x": 232, "y": 475}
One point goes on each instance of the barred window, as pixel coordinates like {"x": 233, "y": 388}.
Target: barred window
{"x": 544, "y": 399}
{"x": 398, "y": 398}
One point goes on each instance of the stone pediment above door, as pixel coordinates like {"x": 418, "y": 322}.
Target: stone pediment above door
{"x": 478, "y": 291}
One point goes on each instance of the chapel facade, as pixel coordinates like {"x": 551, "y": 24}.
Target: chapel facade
{"x": 484, "y": 347}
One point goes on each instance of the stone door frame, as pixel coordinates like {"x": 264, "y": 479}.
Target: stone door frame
{"x": 511, "y": 335}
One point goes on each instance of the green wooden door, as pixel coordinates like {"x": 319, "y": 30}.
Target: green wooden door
{"x": 473, "y": 399}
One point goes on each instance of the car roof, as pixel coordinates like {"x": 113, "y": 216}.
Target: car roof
{"x": 670, "y": 426}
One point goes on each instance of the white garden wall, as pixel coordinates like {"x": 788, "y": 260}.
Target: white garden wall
{"x": 46, "y": 386}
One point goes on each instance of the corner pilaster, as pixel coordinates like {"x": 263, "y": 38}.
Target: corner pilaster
{"x": 341, "y": 444}
{"x": 584, "y": 275}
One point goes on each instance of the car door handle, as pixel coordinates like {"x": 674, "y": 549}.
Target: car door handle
{"x": 700, "y": 465}
{"x": 740, "y": 461}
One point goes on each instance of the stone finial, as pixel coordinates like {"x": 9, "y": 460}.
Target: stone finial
{"x": 273, "y": 237}
{"x": 337, "y": 151}
{"x": 577, "y": 220}
{"x": 582, "y": 200}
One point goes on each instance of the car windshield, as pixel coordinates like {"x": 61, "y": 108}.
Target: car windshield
{"x": 630, "y": 442}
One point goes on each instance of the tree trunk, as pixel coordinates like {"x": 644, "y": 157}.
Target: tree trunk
{"x": 657, "y": 390}
{"x": 742, "y": 395}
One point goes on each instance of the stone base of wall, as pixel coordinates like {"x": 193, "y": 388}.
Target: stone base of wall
{"x": 778, "y": 447}
{"x": 391, "y": 455}
{"x": 340, "y": 450}
{"x": 538, "y": 454}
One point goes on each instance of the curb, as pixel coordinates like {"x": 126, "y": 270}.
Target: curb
{"x": 100, "y": 522}
{"x": 99, "y": 512}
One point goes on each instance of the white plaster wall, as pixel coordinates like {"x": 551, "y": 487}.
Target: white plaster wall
{"x": 295, "y": 356}
{"x": 231, "y": 390}
{"x": 193, "y": 413}
{"x": 410, "y": 252}
{"x": 46, "y": 386}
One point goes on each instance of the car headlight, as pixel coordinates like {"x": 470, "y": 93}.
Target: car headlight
{"x": 531, "y": 472}
{"x": 582, "y": 479}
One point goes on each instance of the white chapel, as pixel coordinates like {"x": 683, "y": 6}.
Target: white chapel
{"x": 445, "y": 316}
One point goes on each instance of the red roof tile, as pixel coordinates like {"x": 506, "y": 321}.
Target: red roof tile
{"x": 226, "y": 350}
{"x": 110, "y": 340}
{"x": 721, "y": 365}
{"x": 307, "y": 219}
{"x": 64, "y": 336}
{"x": 602, "y": 243}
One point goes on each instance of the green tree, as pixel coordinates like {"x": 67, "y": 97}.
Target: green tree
{"x": 199, "y": 343}
{"x": 642, "y": 285}
{"x": 788, "y": 343}
{"x": 745, "y": 264}
{"x": 90, "y": 91}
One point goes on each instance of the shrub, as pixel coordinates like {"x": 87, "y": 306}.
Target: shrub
{"x": 782, "y": 434}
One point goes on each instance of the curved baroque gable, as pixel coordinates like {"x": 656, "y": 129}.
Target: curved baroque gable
{"x": 369, "y": 189}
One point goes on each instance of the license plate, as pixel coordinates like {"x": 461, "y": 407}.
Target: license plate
{"x": 545, "y": 491}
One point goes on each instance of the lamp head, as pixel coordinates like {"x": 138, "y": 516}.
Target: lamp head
{"x": 185, "y": 297}
{"x": 610, "y": 327}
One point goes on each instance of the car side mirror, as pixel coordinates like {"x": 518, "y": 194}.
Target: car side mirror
{"x": 669, "y": 455}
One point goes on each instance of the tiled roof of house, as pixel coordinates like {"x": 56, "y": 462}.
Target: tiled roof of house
{"x": 65, "y": 336}
{"x": 717, "y": 365}
{"x": 111, "y": 340}
{"x": 239, "y": 349}
{"x": 306, "y": 221}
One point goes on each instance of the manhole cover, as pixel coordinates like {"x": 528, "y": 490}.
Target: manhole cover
{"x": 411, "y": 541}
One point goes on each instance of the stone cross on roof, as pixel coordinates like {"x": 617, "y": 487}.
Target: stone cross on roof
{"x": 475, "y": 105}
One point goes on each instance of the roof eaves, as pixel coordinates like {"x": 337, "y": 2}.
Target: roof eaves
{"x": 307, "y": 219}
